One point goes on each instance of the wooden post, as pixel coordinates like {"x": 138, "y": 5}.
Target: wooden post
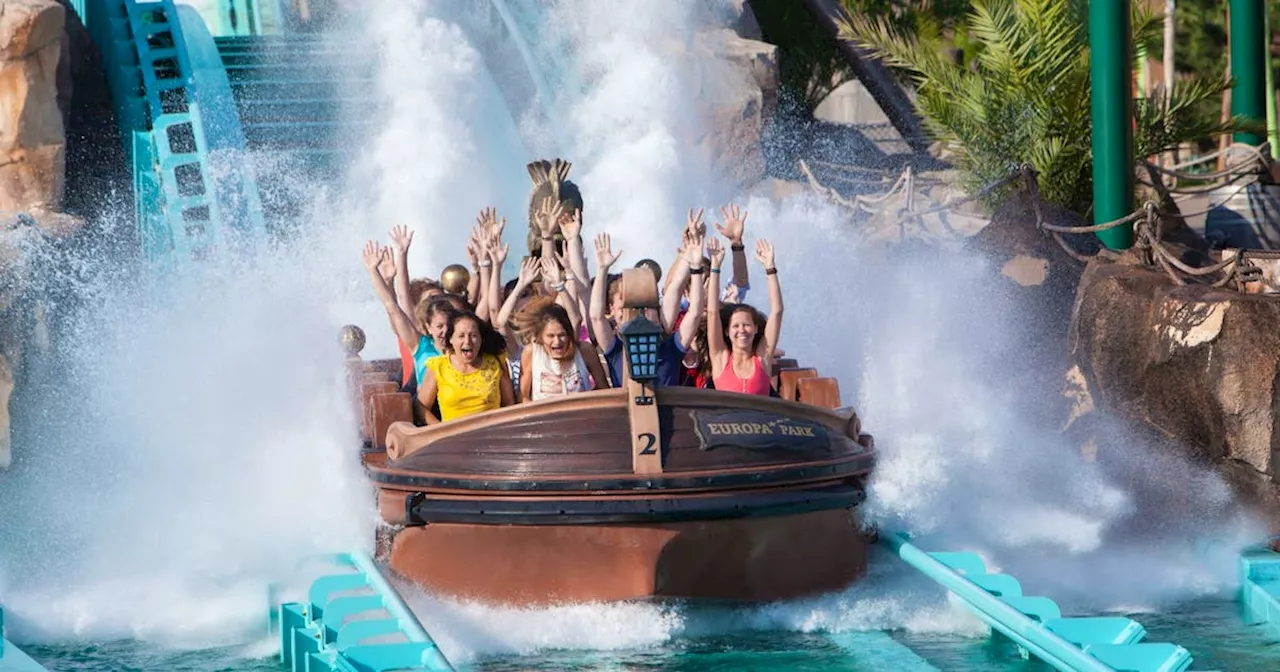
{"x": 640, "y": 291}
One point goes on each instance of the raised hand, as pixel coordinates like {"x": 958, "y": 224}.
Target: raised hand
{"x": 373, "y": 255}
{"x": 401, "y": 238}
{"x": 694, "y": 223}
{"x": 693, "y": 244}
{"x": 548, "y": 216}
{"x": 764, "y": 253}
{"x": 529, "y": 267}
{"x": 715, "y": 250}
{"x": 496, "y": 250}
{"x": 735, "y": 223}
{"x": 730, "y": 294}
{"x": 605, "y": 257}
{"x": 551, "y": 274}
{"x": 487, "y": 222}
{"x": 573, "y": 226}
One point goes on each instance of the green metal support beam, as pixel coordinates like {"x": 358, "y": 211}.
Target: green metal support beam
{"x": 1249, "y": 65}
{"x": 1111, "y": 69}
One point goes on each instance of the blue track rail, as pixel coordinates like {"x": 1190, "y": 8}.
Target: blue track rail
{"x": 1260, "y": 587}
{"x": 12, "y": 659}
{"x": 169, "y": 92}
{"x": 343, "y": 611}
{"x": 1036, "y": 624}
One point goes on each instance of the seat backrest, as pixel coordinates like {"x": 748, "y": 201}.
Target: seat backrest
{"x": 820, "y": 392}
{"x": 788, "y": 379}
{"x": 367, "y": 390}
{"x": 384, "y": 409}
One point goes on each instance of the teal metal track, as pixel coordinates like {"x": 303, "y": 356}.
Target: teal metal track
{"x": 194, "y": 196}
{"x": 1260, "y": 587}
{"x": 343, "y": 612}
{"x": 1036, "y": 624}
{"x": 12, "y": 659}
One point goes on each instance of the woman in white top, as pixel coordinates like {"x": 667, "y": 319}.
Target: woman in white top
{"x": 554, "y": 363}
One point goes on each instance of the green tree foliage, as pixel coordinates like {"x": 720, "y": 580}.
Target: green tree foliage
{"x": 1023, "y": 97}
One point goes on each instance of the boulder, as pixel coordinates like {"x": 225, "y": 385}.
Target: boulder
{"x": 33, "y": 73}
{"x": 741, "y": 76}
{"x": 32, "y": 143}
{"x": 1196, "y": 364}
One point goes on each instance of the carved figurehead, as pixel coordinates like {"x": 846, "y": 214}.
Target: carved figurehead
{"x": 551, "y": 179}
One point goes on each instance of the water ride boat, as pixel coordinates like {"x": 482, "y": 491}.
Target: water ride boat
{"x": 624, "y": 493}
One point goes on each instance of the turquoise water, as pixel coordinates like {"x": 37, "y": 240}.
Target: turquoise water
{"x": 1211, "y": 628}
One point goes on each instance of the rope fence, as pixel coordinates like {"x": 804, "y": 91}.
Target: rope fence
{"x": 1236, "y": 271}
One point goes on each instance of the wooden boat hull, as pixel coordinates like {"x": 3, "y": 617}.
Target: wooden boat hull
{"x": 745, "y": 559}
{"x": 539, "y": 504}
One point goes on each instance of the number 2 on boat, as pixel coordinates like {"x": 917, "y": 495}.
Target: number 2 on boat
{"x": 649, "y": 440}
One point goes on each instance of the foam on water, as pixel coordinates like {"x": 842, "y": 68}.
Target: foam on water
{"x": 201, "y": 446}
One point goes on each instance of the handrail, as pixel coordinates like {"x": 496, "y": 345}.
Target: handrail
{"x": 336, "y": 627}
{"x": 395, "y": 606}
{"x": 1072, "y": 644}
{"x": 163, "y": 119}
{"x": 1047, "y": 646}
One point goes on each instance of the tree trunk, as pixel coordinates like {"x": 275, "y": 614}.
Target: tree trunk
{"x": 1170, "y": 26}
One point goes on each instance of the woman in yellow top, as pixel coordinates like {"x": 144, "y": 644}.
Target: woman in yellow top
{"x": 471, "y": 376}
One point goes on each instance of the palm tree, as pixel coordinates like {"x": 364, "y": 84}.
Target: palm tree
{"x": 1024, "y": 95}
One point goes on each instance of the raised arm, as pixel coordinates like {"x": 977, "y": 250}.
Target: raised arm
{"x": 694, "y": 232}
{"x": 715, "y": 330}
{"x": 408, "y": 334}
{"x": 528, "y": 273}
{"x": 575, "y": 259}
{"x": 497, "y": 254}
{"x": 600, "y": 327}
{"x": 547, "y": 219}
{"x": 553, "y": 278}
{"x": 401, "y": 238}
{"x": 735, "y": 223}
{"x": 773, "y": 327}
{"x": 476, "y": 280}
{"x": 697, "y": 302}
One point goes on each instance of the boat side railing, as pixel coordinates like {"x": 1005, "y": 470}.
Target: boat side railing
{"x": 347, "y": 622}
{"x": 1036, "y": 624}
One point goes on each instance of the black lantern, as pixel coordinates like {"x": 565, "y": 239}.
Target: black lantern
{"x": 642, "y": 338}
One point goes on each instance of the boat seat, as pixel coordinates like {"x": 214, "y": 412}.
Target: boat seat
{"x": 787, "y": 363}
{"x": 367, "y": 390}
{"x": 820, "y": 392}
{"x": 789, "y": 379}
{"x": 384, "y": 409}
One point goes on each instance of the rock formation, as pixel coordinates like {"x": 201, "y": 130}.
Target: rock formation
{"x": 32, "y": 165}
{"x": 741, "y": 73}
{"x": 1195, "y": 363}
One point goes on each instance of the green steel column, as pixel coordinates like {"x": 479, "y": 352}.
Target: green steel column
{"x": 1111, "y": 69}
{"x": 1248, "y": 65}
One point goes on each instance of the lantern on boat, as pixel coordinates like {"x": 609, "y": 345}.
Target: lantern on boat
{"x": 641, "y": 338}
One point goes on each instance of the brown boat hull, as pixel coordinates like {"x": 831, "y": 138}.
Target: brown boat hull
{"x": 744, "y": 559}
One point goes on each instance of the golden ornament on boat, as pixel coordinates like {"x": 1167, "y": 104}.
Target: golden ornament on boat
{"x": 351, "y": 338}
{"x": 455, "y": 278}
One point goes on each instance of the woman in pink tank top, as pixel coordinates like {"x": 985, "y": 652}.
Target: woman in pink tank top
{"x": 741, "y": 343}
